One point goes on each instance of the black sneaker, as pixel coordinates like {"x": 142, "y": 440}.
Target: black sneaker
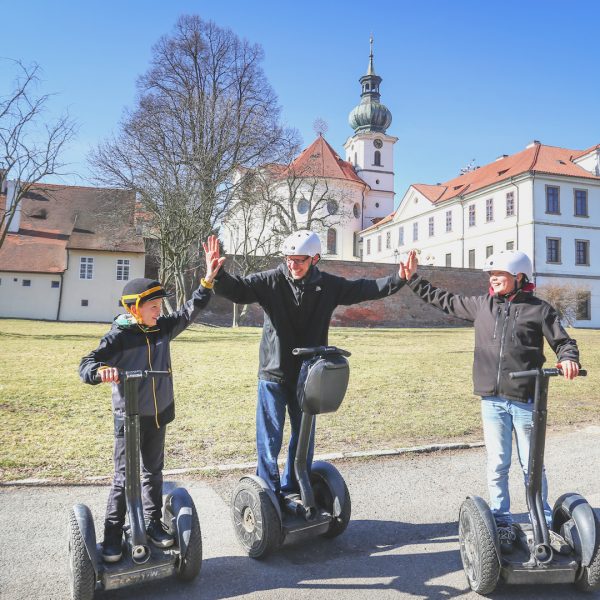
{"x": 158, "y": 534}
{"x": 507, "y": 537}
{"x": 112, "y": 548}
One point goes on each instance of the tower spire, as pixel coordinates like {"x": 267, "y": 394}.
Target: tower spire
{"x": 371, "y": 69}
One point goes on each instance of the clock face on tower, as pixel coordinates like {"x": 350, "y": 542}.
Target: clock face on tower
{"x": 377, "y": 143}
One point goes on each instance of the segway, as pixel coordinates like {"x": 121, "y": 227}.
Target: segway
{"x": 140, "y": 561}
{"x": 569, "y": 553}
{"x": 261, "y": 520}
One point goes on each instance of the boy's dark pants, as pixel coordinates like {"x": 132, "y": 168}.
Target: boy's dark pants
{"x": 152, "y": 450}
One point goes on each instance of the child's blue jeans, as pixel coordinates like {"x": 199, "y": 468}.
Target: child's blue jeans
{"x": 500, "y": 417}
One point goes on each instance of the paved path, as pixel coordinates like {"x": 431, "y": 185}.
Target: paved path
{"x": 401, "y": 543}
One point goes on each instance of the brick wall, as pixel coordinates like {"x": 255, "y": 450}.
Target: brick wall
{"x": 403, "y": 309}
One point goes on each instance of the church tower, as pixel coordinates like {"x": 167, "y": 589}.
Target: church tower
{"x": 370, "y": 149}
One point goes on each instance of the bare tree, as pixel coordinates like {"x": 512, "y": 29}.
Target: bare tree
{"x": 205, "y": 110}
{"x": 30, "y": 144}
{"x": 565, "y": 298}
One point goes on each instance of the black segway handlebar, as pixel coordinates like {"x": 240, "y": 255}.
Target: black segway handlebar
{"x": 319, "y": 350}
{"x": 138, "y": 374}
{"x": 544, "y": 372}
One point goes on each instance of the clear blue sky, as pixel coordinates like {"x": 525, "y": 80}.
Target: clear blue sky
{"x": 464, "y": 79}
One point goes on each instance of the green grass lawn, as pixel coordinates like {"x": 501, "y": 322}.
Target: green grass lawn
{"x": 407, "y": 387}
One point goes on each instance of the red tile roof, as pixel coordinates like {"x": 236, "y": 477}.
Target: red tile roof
{"x": 56, "y": 217}
{"x": 321, "y": 160}
{"x": 537, "y": 158}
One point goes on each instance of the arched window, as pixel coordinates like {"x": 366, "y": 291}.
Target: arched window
{"x": 332, "y": 241}
{"x": 377, "y": 161}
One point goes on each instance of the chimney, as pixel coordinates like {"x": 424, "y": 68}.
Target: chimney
{"x": 11, "y": 193}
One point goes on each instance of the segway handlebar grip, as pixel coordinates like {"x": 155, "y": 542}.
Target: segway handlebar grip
{"x": 320, "y": 350}
{"x": 545, "y": 372}
{"x": 139, "y": 374}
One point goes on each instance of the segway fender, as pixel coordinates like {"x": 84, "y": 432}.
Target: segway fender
{"x": 86, "y": 526}
{"x": 335, "y": 482}
{"x": 488, "y": 519}
{"x": 582, "y": 513}
{"x": 179, "y": 510}
{"x": 270, "y": 493}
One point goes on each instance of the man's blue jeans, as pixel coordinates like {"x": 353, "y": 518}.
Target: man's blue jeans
{"x": 273, "y": 398}
{"x": 500, "y": 417}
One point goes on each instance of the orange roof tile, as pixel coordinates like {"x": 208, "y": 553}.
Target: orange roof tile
{"x": 537, "y": 158}
{"x": 33, "y": 254}
{"x": 321, "y": 160}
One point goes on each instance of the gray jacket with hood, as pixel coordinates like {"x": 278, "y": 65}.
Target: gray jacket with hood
{"x": 129, "y": 346}
{"x": 509, "y": 336}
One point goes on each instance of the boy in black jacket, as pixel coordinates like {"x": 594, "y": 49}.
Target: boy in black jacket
{"x": 139, "y": 340}
{"x": 510, "y": 326}
{"x": 298, "y": 300}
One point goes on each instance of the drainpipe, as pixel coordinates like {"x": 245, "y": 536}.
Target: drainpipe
{"x": 462, "y": 237}
{"x": 60, "y": 292}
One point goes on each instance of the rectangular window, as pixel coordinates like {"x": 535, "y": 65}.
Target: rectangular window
{"x": 510, "y": 204}
{"x": 388, "y": 240}
{"x": 84, "y": 303}
{"x": 552, "y": 200}
{"x": 553, "y": 250}
{"x": 449, "y": 259}
{"x": 489, "y": 250}
{"x": 581, "y": 203}
{"x": 584, "y": 308}
{"x": 86, "y": 268}
{"x": 471, "y": 259}
{"x": 379, "y": 243}
{"x": 355, "y": 244}
{"x": 582, "y": 252}
{"x": 368, "y": 246}
{"x": 55, "y": 284}
{"x": 122, "y": 269}
{"x": 489, "y": 210}
{"x": 448, "y": 221}
{"x": 401, "y": 236}
{"x": 431, "y": 227}
{"x": 471, "y": 215}
{"x": 26, "y": 282}
{"x": 415, "y": 231}
{"x": 510, "y": 245}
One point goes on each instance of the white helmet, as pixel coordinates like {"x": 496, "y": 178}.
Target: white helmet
{"x": 511, "y": 261}
{"x": 301, "y": 243}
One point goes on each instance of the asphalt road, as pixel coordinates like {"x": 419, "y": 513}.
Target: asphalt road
{"x": 401, "y": 542}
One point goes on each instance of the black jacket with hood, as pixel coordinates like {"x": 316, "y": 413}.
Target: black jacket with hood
{"x": 131, "y": 347}
{"x": 297, "y": 312}
{"x": 509, "y": 336}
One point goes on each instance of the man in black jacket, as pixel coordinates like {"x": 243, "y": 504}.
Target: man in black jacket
{"x": 510, "y": 326}
{"x": 298, "y": 300}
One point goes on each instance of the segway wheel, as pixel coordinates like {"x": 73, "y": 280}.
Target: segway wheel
{"x": 82, "y": 576}
{"x": 477, "y": 550}
{"x": 324, "y": 497}
{"x": 190, "y": 564}
{"x": 255, "y": 521}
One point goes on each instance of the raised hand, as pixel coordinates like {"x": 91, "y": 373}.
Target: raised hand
{"x": 409, "y": 268}
{"x": 214, "y": 260}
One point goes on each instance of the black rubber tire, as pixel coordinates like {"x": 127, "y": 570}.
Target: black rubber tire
{"x": 82, "y": 576}
{"x": 590, "y": 576}
{"x": 324, "y": 499}
{"x": 189, "y": 566}
{"x": 477, "y": 549}
{"x": 255, "y": 520}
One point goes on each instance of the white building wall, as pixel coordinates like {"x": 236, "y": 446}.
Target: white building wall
{"x": 38, "y": 300}
{"x": 102, "y": 292}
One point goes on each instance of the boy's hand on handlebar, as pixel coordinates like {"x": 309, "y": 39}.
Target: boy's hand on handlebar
{"x": 213, "y": 259}
{"x": 109, "y": 375}
{"x": 569, "y": 368}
